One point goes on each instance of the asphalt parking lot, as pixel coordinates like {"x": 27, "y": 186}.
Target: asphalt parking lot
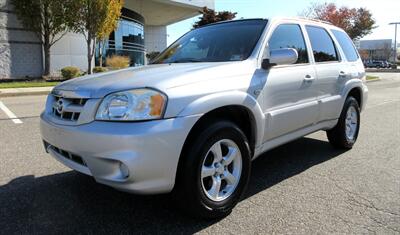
{"x": 302, "y": 187}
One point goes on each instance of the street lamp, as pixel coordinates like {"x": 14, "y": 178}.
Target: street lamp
{"x": 395, "y": 39}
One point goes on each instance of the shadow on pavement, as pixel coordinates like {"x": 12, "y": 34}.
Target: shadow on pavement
{"x": 73, "y": 203}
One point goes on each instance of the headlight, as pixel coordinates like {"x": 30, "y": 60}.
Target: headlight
{"x": 132, "y": 105}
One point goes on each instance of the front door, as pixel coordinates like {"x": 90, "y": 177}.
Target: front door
{"x": 289, "y": 95}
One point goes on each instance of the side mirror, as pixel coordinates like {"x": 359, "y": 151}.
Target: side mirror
{"x": 279, "y": 57}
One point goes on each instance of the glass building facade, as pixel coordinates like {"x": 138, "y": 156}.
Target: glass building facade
{"x": 127, "y": 40}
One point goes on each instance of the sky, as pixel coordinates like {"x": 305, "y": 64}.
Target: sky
{"x": 383, "y": 11}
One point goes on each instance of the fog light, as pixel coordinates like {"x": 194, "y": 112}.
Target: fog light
{"x": 124, "y": 170}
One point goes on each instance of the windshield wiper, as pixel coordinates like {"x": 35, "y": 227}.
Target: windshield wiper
{"x": 185, "y": 60}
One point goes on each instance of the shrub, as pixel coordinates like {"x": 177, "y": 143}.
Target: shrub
{"x": 99, "y": 69}
{"x": 152, "y": 55}
{"x": 118, "y": 62}
{"x": 70, "y": 72}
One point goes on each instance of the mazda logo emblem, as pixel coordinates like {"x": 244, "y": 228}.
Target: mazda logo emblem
{"x": 59, "y": 106}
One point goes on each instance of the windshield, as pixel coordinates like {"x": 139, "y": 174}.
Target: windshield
{"x": 233, "y": 41}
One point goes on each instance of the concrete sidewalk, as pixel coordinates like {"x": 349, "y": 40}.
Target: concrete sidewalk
{"x": 25, "y": 91}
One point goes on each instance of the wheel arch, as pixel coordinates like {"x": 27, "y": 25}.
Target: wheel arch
{"x": 229, "y": 101}
{"x": 356, "y": 93}
{"x": 354, "y": 89}
{"x": 238, "y": 114}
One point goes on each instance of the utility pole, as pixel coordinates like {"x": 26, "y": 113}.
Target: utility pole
{"x": 395, "y": 39}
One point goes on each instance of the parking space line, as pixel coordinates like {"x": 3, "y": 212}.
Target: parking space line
{"x": 10, "y": 114}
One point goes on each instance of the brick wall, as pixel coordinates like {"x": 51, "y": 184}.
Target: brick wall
{"x": 20, "y": 49}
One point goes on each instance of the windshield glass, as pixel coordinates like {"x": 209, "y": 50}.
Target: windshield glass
{"x": 233, "y": 41}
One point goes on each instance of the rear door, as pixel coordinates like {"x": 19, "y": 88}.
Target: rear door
{"x": 332, "y": 71}
{"x": 289, "y": 93}
{"x": 353, "y": 59}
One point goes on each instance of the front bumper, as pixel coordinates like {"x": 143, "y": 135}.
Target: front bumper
{"x": 149, "y": 150}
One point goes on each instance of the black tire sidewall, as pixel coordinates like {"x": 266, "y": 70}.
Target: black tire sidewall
{"x": 351, "y": 102}
{"x": 193, "y": 164}
{"x": 337, "y": 136}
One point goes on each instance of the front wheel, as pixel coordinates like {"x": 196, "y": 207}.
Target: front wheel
{"x": 214, "y": 172}
{"x": 345, "y": 133}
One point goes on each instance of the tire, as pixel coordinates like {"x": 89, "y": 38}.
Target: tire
{"x": 338, "y": 136}
{"x": 194, "y": 190}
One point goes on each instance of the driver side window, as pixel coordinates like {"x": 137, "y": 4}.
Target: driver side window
{"x": 290, "y": 36}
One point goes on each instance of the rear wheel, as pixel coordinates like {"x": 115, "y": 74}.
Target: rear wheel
{"x": 214, "y": 172}
{"x": 345, "y": 133}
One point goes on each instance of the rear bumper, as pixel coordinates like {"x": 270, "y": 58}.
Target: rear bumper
{"x": 149, "y": 150}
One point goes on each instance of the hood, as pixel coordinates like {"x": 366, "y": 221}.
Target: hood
{"x": 160, "y": 76}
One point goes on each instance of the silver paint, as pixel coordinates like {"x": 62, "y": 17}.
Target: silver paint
{"x": 285, "y": 102}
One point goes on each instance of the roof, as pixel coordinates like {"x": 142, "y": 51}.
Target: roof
{"x": 231, "y": 21}
{"x": 307, "y": 20}
{"x": 301, "y": 19}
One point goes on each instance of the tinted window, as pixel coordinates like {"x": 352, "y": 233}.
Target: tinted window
{"x": 322, "y": 44}
{"x": 232, "y": 41}
{"x": 346, "y": 44}
{"x": 289, "y": 36}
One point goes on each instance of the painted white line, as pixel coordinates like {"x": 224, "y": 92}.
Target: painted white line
{"x": 10, "y": 114}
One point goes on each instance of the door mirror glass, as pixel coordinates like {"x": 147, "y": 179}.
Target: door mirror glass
{"x": 281, "y": 57}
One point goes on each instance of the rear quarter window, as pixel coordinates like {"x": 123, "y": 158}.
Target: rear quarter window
{"x": 347, "y": 45}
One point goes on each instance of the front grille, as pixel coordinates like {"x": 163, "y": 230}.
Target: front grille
{"x": 68, "y": 155}
{"x": 68, "y": 109}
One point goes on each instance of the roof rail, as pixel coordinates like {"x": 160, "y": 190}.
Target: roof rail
{"x": 316, "y": 20}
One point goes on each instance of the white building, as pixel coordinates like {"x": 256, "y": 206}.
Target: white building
{"x": 379, "y": 49}
{"x": 142, "y": 28}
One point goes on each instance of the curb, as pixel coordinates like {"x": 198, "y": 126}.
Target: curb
{"x": 373, "y": 80}
{"x": 13, "y": 94}
{"x": 382, "y": 70}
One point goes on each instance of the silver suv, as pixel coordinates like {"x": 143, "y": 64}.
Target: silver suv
{"x": 192, "y": 121}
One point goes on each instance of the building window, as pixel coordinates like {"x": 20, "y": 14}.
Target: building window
{"x": 127, "y": 40}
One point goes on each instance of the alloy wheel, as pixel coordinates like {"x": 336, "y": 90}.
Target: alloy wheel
{"x": 221, "y": 170}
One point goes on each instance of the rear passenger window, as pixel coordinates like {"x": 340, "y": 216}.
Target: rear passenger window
{"x": 347, "y": 45}
{"x": 322, "y": 44}
{"x": 289, "y": 36}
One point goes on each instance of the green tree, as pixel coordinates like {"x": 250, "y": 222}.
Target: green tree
{"x": 109, "y": 25}
{"x": 210, "y": 16}
{"x": 357, "y": 22}
{"x": 94, "y": 16}
{"x": 48, "y": 19}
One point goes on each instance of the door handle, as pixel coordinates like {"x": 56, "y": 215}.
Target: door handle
{"x": 343, "y": 74}
{"x": 308, "y": 78}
